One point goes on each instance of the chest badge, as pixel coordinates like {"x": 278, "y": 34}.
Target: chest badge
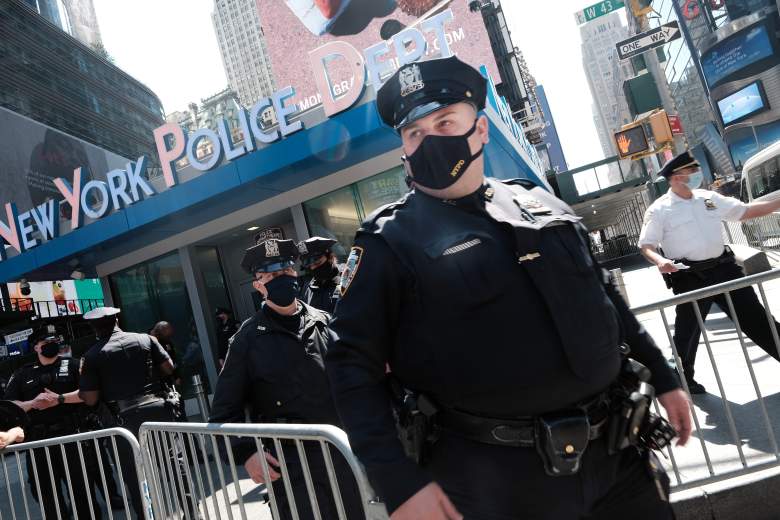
{"x": 710, "y": 205}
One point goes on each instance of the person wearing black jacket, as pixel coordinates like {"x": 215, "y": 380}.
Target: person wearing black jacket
{"x": 226, "y": 327}
{"x": 483, "y": 297}
{"x": 275, "y": 367}
{"x": 319, "y": 287}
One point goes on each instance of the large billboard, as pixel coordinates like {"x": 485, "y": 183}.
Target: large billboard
{"x": 34, "y": 154}
{"x": 57, "y": 297}
{"x": 735, "y": 53}
{"x": 293, "y": 28}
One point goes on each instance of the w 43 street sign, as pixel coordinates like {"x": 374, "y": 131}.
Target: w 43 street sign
{"x": 648, "y": 40}
{"x": 596, "y": 10}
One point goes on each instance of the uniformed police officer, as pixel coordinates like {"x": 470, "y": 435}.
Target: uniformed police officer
{"x": 275, "y": 366}
{"x": 319, "y": 286}
{"x": 123, "y": 369}
{"x": 226, "y": 327}
{"x": 482, "y": 297}
{"x": 686, "y": 223}
{"x": 48, "y": 392}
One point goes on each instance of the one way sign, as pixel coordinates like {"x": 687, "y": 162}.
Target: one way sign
{"x": 648, "y": 40}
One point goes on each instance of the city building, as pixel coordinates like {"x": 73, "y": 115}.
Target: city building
{"x": 53, "y": 78}
{"x": 606, "y": 73}
{"x": 75, "y": 17}
{"x": 550, "y": 150}
{"x": 243, "y": 49}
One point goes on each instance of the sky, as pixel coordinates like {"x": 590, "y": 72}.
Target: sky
{"x": 170, "y": 46}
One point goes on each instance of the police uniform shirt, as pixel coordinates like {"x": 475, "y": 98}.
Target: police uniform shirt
{"x": 689, "y": 228}
{"x": 118, "y": 367}
{"x": 60, "y": 377}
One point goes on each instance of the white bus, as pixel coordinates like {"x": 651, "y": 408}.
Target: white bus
{"x": 761, "y": 181}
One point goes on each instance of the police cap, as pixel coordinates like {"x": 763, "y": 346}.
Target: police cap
{"x": 12, "y": 415}
{"x": 313, "y": 248}
{"x": 222, "y": 310}
{"x": 684, "y": 160}
{"x": 419, "y": 89}
{"x": 270, "y": 255}
{"x": 101, "y": 312}
{"x": 44, "y": 332}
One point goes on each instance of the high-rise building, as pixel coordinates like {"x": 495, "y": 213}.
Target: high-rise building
{"x": 550, "y": 150}
{"x": 75, "y": 17}
{"x": 605, "y": 76}
{"x": 50, "y": 77}
{"x": 243, "y": 49}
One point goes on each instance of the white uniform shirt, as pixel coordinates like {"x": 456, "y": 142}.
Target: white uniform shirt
{"x": 689, "y": 228}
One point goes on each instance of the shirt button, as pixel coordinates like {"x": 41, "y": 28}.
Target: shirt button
{"x": 278, "y": 403}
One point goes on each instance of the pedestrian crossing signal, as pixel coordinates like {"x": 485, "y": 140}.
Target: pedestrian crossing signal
{"x": 631, "y": 141}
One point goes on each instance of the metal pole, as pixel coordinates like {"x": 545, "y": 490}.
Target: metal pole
{"x": 200, "y": 395}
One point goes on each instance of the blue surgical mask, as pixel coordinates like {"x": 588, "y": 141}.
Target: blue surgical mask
{"x": 694, "y": 180}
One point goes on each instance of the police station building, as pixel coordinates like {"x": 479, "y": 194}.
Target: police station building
{"x": 168, "y": 246}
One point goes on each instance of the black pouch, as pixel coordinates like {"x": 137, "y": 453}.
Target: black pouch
{"x": 561, "y": 439}
{"x": 626, "y": 423}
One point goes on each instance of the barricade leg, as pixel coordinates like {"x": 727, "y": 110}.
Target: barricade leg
{"x": 752, "y": 318}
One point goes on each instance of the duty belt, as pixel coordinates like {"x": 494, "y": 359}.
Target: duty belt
{"x": 127, "y": 405}
{"x": 518, "y": 432}
{"x": 703, "y": 265}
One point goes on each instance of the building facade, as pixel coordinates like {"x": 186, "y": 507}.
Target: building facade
{"x": 550, "y": 149}
{"x": 75, "y": 17}
{"x": 605, "y": 75}
{"x": 243, "y": 49}
{"x": 50, "y": 77}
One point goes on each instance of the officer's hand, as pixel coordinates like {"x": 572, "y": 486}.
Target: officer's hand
{"x": 13, "y": 435}
{"x": 666, "y": 266}
{"x": 678, "y": 409}
{"x": 254, "y": 467}
{"x": 430, "y": 503}
{"x": 43, "y": 401}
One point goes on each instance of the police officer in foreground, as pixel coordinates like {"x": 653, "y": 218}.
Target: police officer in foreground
{"x": 48, "y": 391}
{"x": 686, "y": 223}
{"x": 275, "y": 366}
{"x": 485, "y": 301}
{"x": 123, "y": 369}
{"x": 320, "y": 286}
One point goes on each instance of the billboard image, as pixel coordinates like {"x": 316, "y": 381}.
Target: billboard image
{"x": 57, "y": 297}
{"x": 735, "y": 53}
{"x": 293, "y": 28}
{"x": 34, "y": 154}
{"x": 742, "y": 104}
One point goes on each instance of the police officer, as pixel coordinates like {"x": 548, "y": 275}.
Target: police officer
{"x": 686, "y": 223}
{"x": 275, "y": 366}
{"x": 48, "y": 392}
{"x": 123, "y": 369}
{"x": 319, "y": 288}
{"x": 483, "y": 298}
{"x": 226, "y": 327}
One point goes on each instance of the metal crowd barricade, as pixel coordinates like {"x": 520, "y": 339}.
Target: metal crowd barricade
{"x": 33, "y": 469}
{"x": 729, "y": 467}
{"x": 198, "y": 457}
{"x": 761, "y": 233}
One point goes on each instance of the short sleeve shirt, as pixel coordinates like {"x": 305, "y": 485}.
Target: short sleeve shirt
{"x": 690, "y": 228}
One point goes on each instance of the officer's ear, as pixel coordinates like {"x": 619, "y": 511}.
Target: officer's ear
{"x": 483, "y": 129}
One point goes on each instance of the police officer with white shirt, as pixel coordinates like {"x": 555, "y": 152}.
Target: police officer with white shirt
{"x": 686, "y": 224}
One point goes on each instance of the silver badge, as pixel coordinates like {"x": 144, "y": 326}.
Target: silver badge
{"x": 271, "y": 248}
{"x": 410, "y": 80}
{"x": 302, "y": 248}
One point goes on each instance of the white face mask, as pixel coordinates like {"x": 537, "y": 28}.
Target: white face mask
{"x": 694, "y": 180}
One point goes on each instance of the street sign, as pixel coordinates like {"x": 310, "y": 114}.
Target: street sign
{"x": 676, "y": 124}
{"x": 596, "y": 10}
{"x": 648, "y": 40}
{"x": 631, "y": 141}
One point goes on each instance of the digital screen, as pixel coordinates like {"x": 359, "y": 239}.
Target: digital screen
{"x": 631, "y": 141}
{"x": 735, "y": 53}
{"x": 742, "y": 103}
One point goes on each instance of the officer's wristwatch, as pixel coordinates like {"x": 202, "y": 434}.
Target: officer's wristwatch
{"x": 60, "y": 399}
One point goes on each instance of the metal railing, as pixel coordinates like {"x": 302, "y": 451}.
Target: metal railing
{"x": 320, "y": 477}
{"x": 767, "y": 455}
{"x": 55, "y": 308}
{"x": 761, "y": 233}
{"x": 66, "y": 475}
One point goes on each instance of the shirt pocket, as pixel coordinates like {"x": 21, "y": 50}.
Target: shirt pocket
{"x": 464, "y": 268}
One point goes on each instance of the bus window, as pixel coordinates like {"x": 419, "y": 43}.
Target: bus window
{"x": 765, "y": 178}
{"x": 743, "y": 192}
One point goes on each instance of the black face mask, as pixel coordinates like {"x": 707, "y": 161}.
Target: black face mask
{"x": 282, "y": 290}
{"x": 325, "y": 272}
{"x": 50, "y": 350}
{"x": 441, "y": 160}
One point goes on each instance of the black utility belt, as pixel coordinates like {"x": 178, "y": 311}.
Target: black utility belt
{"x": 121, "y": 406}
{"x": 703, "y": 265}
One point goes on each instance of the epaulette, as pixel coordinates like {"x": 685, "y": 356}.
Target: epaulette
{"x": 525, "y": 183}
{"x": 383, "y": 211}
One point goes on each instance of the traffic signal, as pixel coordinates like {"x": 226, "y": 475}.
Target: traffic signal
{"x": 641, "y": 7}
{"x": 631, "y": 140}
{"x": 660, "y": 128}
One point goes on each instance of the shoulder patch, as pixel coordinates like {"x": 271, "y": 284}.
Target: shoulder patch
{"x": 350, "y": 269}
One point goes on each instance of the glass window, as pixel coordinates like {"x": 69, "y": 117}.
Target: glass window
{"x": 381, "y": 189}
{"x": 155, "y": 291}
{"x": 334, "y": 215}
{"x": 765, "y": 179}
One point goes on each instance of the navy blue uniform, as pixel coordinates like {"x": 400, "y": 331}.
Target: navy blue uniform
{"x": 497, "y": 310}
